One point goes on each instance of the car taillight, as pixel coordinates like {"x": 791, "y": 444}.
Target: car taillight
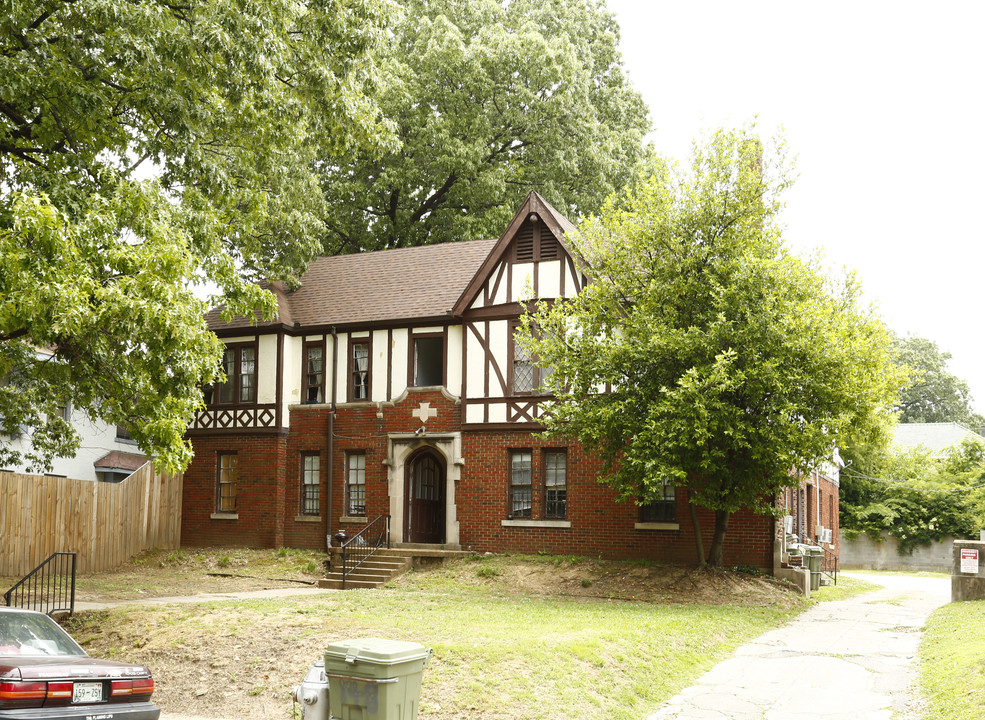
{"x": 143, "y": 687}
{"x": 60, "y": 691}
{"x": 126, "y": 688}
{"x": 14, "y": 693}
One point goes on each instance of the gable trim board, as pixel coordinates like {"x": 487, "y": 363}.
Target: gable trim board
{"x": 471, "y": 423}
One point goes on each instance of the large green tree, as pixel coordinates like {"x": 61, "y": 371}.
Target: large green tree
{"x": 704, "y": 354}
{"x": 935, "y": 394}
{"x": 145, "y": 147}
{"x": 914, "y": 495}
{"x": 492, "y": 98}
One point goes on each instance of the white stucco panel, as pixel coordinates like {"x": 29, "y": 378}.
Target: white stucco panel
{"x": 341, "y": 369}
{"x": 292, "y": 371}
{"x": 474, "y": 414}
{"x": 475, "y": 372}
{"x": 549, "y": 278}
{"x": 500, "y": 297}
{"x": 454, "y": 360}
{"x": 378, "y": 366}
{"x": 267, "y": 369}
{"x": 522, "y": 282}
{"x": 398, "y": 364}
{"x": 497, "y": 413}
{"x": 499, "y": 344}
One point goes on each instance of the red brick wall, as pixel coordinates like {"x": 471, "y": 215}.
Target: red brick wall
{"x": 822, "y": 505}
{"x": 260, "y": 492}
{"x": 600, "y": 525}
{"x": 269, "y": 491}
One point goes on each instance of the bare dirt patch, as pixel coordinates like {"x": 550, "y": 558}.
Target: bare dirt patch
{"x": 565, "y": 576}
{"x": 241, "y": 658}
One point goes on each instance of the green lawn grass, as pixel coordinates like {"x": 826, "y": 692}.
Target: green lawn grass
{"x": 499, "y": 654}
{"x": 847, "y": 587}
{"x": 952, "y": 662}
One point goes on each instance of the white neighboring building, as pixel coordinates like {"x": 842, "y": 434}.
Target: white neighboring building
{"x": 104, "y": 453}
{"x": 936, "y": 437}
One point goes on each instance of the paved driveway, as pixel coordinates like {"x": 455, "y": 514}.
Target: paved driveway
{"x": 846, "y": 659}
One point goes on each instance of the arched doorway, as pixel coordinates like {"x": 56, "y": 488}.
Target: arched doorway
{"x": 425, "y": 494}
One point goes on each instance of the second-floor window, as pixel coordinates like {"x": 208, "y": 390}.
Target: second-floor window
{"x": 527, "y": 376}
{"x": 428, "y": 361}
{"x": 359, "y": 369}
{"x": 314, "y": 373}
{"x": 239, "y": 362}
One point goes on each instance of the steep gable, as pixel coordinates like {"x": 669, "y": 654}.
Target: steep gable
{"x": 537, "y": 234}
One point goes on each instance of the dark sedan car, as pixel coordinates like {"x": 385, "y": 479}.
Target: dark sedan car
{"x": 45, "y": 674}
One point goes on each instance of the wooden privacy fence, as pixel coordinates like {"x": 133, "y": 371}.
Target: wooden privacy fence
{"x": 105, "y": 523}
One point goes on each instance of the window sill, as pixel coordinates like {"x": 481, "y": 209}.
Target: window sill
{"x": 353, "y": 519}
{"x": 657, "y": 526}
{"x": 225, "y": 516}
{"x": 561, "y": 524}
{"x": 307, "y": 518}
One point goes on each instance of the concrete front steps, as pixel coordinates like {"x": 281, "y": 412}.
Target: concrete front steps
{"x": 374, "y": 572}
{"x": 386, "y": 564}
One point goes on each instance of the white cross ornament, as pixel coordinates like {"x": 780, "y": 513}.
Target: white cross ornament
{"x": 425, "y": 412}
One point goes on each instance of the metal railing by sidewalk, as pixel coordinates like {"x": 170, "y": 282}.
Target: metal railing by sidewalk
{"x": 829, "y": 564}
{"x": 363, "y": 545}
{"x": 49, "y": 588}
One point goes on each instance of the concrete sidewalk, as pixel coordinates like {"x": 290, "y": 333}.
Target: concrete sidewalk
{"x": 850, "y": 658}
{"x": 207, "y": 597}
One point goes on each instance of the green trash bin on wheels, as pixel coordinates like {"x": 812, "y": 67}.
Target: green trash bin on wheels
{"x": 814, "y": 555}
{"x": 375, "y": 679}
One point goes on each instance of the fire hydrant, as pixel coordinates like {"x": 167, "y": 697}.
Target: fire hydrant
{"x": 312, "y": 693}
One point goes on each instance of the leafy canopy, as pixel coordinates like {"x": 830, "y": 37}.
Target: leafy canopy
{"x": 491, "y": 99}
{"x": 702, "y": 352}
{"x": 227, "y": 106}
{"x": 916, "y": 497}
{"x": 935, "y": 394}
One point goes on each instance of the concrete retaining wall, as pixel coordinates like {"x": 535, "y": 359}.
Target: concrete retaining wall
{"x": 968, "y": 570}
{"x": 865, "y": 554}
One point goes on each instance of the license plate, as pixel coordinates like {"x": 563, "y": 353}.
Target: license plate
{"x": 87, "y": 692}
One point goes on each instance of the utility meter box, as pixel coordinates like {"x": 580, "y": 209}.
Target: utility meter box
{"x": 375, "y": 679}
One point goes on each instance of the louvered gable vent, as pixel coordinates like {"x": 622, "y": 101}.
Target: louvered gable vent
{"x": 550, "y": 249}
{"x": 524, "y": 243}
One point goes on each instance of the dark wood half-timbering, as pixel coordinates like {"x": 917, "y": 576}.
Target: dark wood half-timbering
{"x": 391, "y": 383}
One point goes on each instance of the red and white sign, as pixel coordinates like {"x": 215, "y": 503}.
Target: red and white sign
{"x": 969, "y": 561}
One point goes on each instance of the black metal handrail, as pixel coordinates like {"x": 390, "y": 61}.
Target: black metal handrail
{"x": 829, "y": 564}
{"x": 48, "y": 588}
{"x": 363, "y": 545}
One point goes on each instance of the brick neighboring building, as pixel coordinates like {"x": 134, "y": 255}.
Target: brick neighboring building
{"x": 389, "y": 384}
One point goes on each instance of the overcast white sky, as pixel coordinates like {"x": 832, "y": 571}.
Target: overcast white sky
{"x": 884, "y": 105}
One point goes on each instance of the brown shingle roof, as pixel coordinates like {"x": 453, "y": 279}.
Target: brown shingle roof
{"x": 388, "y": 285}
{"x": 116, "y": 460}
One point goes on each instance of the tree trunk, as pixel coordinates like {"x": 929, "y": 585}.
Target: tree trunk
{"x": 698, "y": 542}
{"x": 718, "y": 541}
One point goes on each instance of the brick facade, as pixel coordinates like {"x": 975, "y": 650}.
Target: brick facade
{"x": 269, "y": 493}
{"x": 452, "y": 443}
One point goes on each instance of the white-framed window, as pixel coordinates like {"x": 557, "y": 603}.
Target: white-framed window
{"x": 355, "y": 484}
{"x": 555, "y": 484}
{"x": 521, "y": 484}
{"x": 310, "y": 483}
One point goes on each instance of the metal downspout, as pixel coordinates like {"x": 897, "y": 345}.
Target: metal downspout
{"x": 331, "y": 443}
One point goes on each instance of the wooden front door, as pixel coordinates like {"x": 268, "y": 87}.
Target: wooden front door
{"x": 426, "y": 500}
